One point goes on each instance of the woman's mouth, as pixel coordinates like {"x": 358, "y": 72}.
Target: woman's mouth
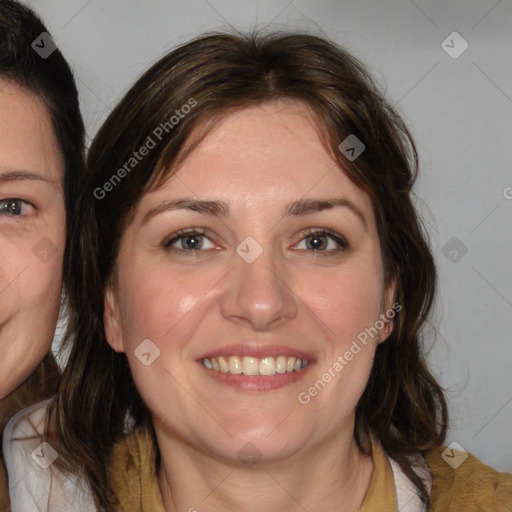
{"x": 256, "y": 368}
{"x": 253, "y": 366}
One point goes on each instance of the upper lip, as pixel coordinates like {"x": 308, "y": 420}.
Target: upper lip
{"x": 258, "y": 351}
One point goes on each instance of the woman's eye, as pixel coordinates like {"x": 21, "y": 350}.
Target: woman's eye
{"x": 188, "y": 241}
{"x": 318, "y": 241}
{"x": 14, "y": 207}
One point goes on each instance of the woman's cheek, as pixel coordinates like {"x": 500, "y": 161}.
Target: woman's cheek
{"x": 45, "y": 271}
{"x": 30, "y": 277}
{"x": 346, "y": 303}
{"x": 155, "y": 302}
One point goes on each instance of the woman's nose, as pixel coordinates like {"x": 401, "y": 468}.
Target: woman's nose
{"x": 258, "y": 292}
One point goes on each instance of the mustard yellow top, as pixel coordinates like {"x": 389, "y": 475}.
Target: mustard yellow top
{"x": 471, "y": 487}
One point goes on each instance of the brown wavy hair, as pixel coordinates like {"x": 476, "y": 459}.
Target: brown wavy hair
{"x": 402, "y": 403}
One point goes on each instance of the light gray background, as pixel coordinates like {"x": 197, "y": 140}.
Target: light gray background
{"x": 459, "y": 111}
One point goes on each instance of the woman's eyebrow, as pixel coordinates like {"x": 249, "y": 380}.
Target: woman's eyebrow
{"x": 299, "y": 207}
{"x": 307, "y": 206}
{"x": 24, "y": 175}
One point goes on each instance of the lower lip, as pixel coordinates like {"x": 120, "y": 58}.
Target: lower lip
{"x": 257, "y": 382}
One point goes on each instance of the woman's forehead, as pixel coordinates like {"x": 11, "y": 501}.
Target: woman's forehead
{"x": 265, "y": 144}
{"x": 289, "y": 118}
{"x": 27, "y": 138}
{"x": 261, "y": 157}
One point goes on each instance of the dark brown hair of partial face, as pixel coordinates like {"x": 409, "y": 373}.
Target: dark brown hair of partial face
{"x": 402, "y": 404}
{"x": 52, "y": 82}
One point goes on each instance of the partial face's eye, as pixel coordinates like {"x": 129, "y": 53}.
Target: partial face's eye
{"x": 14, "y": 207}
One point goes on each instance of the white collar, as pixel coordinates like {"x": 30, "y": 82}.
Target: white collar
{"x": 407, "y": 497}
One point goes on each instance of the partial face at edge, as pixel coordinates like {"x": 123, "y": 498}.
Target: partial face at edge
{"x": 311, "y": 294}
{"x": 32, "y": 234}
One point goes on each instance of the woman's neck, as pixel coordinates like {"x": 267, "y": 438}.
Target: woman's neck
{"x": 335, "y": 476}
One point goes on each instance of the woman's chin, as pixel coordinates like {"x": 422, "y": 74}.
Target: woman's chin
{"x": 256, "y": 446}
{"x": 252, "y": 451}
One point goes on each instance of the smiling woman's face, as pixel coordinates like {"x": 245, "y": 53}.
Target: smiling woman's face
{"x": 275, "y": 276}
{"x": 32, "y": 234}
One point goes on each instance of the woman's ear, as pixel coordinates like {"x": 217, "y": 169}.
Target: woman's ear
{"x": 390, "y": 307}
{"x": 111, "y": 321}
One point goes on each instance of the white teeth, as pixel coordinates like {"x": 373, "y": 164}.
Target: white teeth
{"x": 223, "y": 364}
{"x": 281, "y": 364}
{"x": 254, "y": 366}
{"x": 250, "y": 365}
{"x": 235, "y": 365}
{"x": 267, "y": 366}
